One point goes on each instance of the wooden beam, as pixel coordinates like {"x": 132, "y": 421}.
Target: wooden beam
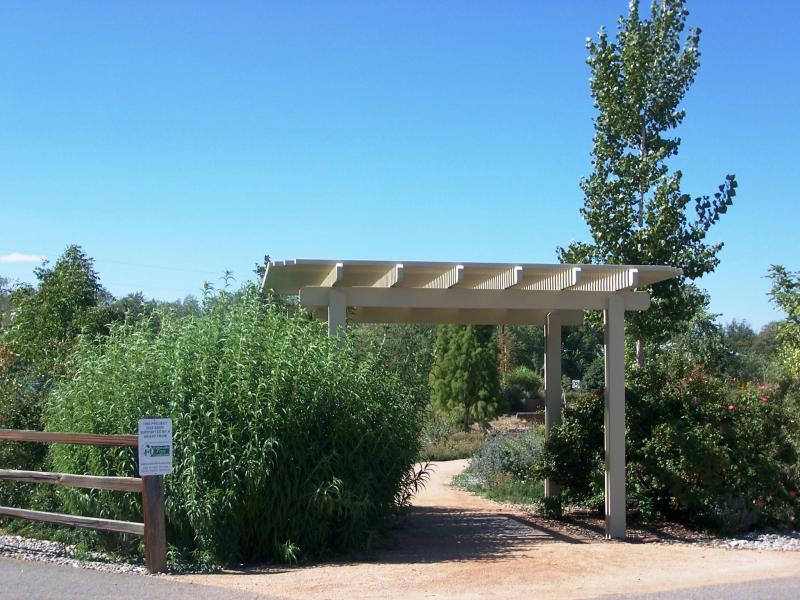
{"x": 611, "y": 281}
{"x": 502, "y": 281}
{"x": 440, "y": 316}
{"x": 448, "y": 279}
{"x": 562, "y": 279}
{"x": 334, "y": 276}
{"x": 566, "y": 300}
{"x": 87, "y": 439}
{"x": 119, "y": 484}
{"x": 73, "y": 520}
{"x": 391, "y": 278}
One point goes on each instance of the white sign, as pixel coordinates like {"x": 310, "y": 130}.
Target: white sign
{"x": 155, "y": 447}
{"x": 576, "y": 384}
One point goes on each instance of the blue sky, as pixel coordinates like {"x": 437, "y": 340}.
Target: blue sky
{"x": 176, "y": 140}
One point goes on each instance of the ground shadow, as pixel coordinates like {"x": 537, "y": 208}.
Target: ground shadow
{"x": 439, "y": 534}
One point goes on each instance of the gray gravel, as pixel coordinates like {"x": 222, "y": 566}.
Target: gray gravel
{"x": 14, "y": 546}
{"x": 762, "y": 541}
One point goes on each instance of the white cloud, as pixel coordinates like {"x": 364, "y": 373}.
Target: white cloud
{"x": 19, "y": 257}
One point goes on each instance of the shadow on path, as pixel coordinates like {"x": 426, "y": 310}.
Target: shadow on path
{"x": 434, "y": 534}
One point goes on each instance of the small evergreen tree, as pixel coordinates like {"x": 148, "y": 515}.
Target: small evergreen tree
{"x": 465, "y": 383}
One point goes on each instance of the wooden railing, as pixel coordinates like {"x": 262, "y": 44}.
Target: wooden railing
{"x": 151, "y": 487}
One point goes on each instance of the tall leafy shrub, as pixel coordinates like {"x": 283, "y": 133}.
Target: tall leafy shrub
{"x": 285, "y": 445}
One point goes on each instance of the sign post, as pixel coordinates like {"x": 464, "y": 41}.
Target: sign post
{"x": 155, "y": 461}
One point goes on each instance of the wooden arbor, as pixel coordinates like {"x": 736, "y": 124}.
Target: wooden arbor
{"x": 491, "y": 294}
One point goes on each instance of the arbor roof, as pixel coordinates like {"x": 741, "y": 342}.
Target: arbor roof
{"x": 449, "y": 292}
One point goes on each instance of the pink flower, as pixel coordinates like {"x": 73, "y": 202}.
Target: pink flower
{"x": 764, "y": 398}
{"x": 763, "y": 386}
{"x": 695, "y": 401}
{"x": 730, "y": 407}
{"x": 792, "y": 493}
{"x": 759, "y": 503}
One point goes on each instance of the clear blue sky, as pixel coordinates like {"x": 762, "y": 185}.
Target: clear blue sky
{"x": 175, "y": 140}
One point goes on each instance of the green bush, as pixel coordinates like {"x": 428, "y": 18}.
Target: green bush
{"x": 285, "y": 445}
{"x": 517, "y": 455}
{"x": 507, "y": 467}
{"x": 520, "y": 385}
{"x": 696, "y": 449}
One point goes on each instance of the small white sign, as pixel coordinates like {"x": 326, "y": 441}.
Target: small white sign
{"x": 576, "y": 384}
{"x": 155, "y": 447}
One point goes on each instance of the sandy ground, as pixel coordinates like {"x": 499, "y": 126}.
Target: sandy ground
{"x": 456, "y": 545}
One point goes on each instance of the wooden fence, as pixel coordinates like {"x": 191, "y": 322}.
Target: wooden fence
{"x": 150, "y": 487}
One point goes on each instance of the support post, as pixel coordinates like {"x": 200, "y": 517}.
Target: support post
{"x": 337, "y": 313}
{"x": 614, "y": 417}
{"x": 552, "y": 386}
{"x": 155, "y": 533}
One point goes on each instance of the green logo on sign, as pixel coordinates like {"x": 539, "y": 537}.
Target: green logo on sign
{"x": 156, "y": 450}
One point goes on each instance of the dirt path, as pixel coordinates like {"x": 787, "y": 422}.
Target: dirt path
{"x": 456, "y": 545}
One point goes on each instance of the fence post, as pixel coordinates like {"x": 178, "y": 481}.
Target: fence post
{"x": 155, "y": 534}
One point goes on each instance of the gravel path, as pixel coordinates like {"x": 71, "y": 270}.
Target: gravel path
{"x": 461, "y": 546}
{"x": 451, "y": 544}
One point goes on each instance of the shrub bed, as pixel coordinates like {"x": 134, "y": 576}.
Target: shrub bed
{"x": 285, "y": 445}
{"x": 696, "y": 449}
{"x": 506, "y": 468}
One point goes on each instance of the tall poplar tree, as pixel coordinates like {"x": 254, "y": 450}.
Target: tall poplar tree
{"x": 634, "y": 206}
{"x": 465, "y": 383}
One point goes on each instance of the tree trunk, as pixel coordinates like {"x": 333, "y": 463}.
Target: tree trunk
{"x": 639, "y": 354}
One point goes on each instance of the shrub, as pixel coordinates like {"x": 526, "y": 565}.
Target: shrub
{"x": 517, "y": 455}
{"x": 520, "y": 385}
{"x": 285, "y": 445}
{"x": 506, "y": 468}
{"x": 442, "y": 439}
{"x": 696, "y": 449}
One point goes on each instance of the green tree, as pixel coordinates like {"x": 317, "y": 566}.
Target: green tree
{"x": 465, "y": 383}
{"x": 35, "y": 347}
{"x": 634, "y": 206}
{"x": 68, "y": 300}
{"x": 785, "y": 294}
{"x": 5, "y": 301}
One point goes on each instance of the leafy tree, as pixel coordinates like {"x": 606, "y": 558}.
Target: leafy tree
{"x": 464, "y": 381}
{"x": 5, "y": 301}
{"x": 35, "y": 347}
{"x": 634, "y": 206}
{"x": 785, "y": 294}
{"x": 68, "y": 300}
{"x": 526, "y": 346}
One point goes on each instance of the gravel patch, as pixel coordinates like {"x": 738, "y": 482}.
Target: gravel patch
{"x": 768, "y": 540}
{"x": 15, "y": 546}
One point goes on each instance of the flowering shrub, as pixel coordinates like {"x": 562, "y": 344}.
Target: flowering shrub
{"x": 696, "y": 449}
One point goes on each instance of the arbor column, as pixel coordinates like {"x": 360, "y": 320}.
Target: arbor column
{"x": 552, "y": 386}
{"x": 337, "y": 313}
{"x": 614, "y": 416}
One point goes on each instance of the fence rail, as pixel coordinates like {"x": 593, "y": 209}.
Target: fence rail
{"x": 153, "y": 529}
